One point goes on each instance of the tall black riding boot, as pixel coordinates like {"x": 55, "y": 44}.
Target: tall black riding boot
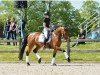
{"x": 45, "y": 41}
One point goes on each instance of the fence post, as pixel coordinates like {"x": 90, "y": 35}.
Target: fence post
{"x": 68, "y": 48}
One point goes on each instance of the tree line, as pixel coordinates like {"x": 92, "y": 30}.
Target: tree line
{"x": 61, "y": 13}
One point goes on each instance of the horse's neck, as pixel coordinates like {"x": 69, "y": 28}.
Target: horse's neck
{"x": 57, "y": 33}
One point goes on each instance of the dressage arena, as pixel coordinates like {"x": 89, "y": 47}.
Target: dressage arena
{"x": 11, "y": 68}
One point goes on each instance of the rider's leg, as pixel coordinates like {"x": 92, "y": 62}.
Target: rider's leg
{"x": 45, "y": 32}
{"x": 46, "y": 35}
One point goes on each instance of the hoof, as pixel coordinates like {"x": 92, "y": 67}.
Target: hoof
{"x": 69, "y": 60}
{"x": 20, "y": 58}
{"x": 28, "y": 64}
{"x": 39, "y": 61}
{"x": 54, "y": 64}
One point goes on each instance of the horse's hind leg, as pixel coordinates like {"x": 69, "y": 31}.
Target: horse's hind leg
{"x": 27, "y": 57}
{"x": 27, "y": 53}
{"x": 53, "y": 59}
{"x": 37, "y": 55}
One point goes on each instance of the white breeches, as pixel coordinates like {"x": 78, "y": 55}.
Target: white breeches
{"x": 45, "y": 31}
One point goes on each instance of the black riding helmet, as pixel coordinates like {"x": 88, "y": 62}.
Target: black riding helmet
{"x": 46, "y": 13}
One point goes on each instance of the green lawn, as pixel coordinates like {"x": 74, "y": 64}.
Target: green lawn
{"x": 87, "y": 46}
{"x": 46, "y": 57}
{"x": 8, "y": 47}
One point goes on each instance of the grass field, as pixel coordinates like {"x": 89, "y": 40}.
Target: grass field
{"x": 8, "y": 48}
{"x": 46, "y": 57}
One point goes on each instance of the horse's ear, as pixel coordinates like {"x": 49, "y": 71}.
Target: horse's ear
{"x": 66, "y": 28}
{"x": 61, "y": 26}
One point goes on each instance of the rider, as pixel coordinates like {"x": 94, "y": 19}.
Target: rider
{"x": 46, "y": 25}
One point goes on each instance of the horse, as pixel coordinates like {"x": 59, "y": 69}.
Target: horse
{"x": 31, "y": 40}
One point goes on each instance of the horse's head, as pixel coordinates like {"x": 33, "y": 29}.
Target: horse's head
{"x": 62, "y": 32}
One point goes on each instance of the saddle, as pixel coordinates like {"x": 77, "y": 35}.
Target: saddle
{"x": 42, "y": 38}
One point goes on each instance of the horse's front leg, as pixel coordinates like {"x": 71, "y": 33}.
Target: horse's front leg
{"x": 65, "y": 53}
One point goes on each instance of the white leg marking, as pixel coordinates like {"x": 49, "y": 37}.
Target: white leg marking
{"x": 66, "y": 55}
{"x": 27, "y": 59}
{"x": 53, "y": 61}
{"x": 38, "y": 56}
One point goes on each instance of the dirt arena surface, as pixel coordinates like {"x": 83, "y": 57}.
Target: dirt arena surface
{"x": 47, "y": 69}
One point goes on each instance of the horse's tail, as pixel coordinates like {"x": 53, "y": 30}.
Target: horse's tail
{"x": 23, "y": 46}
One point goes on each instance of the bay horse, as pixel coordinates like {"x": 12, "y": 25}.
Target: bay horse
{"x": 55, "y": 43}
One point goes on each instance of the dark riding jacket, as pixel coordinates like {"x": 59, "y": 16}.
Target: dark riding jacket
{"x": 47, "y": 22}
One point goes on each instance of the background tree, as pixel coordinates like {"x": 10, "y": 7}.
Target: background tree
{"x": 6, "y": 10}
{"x": 35, "y": 15}
{"x": 89, "y": 11}
{"x": 67, "y": 15}
{"x": 89, "y": 7}
{"x": 62, "y": 13}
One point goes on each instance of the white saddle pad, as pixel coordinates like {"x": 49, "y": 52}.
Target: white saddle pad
{"x": 42, "y": 38}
